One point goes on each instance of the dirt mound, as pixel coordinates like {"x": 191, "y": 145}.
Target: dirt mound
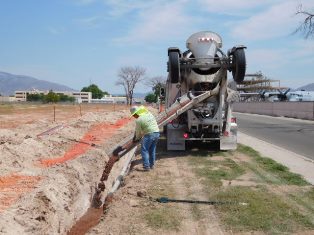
{"x": 48, "y": 169}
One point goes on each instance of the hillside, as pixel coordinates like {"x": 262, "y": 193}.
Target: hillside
{"x": 9, "y": 83}
{"x": 308, "y": 87}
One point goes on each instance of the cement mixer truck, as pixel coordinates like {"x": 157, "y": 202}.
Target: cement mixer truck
{"x": 201, "y": 69}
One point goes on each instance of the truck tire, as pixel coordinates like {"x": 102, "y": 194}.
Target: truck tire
{"x": 174, "y": 66}
{"x": 238, "y": 65}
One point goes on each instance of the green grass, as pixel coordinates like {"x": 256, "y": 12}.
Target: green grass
{"x": 206, "y": 168}
{"x": 265, "y": 212}
{"x": 247, "y": 150}
{"x": 279, "y": 171}
{"x": 310, "y": 195}
{"x": 305, "y": 199}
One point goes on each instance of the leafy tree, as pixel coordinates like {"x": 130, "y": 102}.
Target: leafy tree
{"x": 151, "y": 98}
{"x": 128, "y": 78}
{"x": 52, "y": 97}
{"x": 66, "y": 98}
{"x": 97, "y": 93}
{"x": 159, "y": 90}
{"x": 35, "y": 97}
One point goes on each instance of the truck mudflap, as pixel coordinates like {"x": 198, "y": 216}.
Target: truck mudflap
{"x": 175, "y": 140}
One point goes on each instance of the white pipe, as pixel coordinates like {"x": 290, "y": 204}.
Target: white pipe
{"x": 129, "y": 156}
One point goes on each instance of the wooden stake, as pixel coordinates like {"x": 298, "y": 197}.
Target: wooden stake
{"x": 54, "y": 113}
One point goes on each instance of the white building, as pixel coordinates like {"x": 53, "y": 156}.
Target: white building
{"x": 84, "y": 97}
{"x": 7, "y": 99}
{"x": 109, "y": 99}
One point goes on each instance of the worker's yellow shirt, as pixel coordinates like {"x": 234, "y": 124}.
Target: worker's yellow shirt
{"x": 145, "y": 124}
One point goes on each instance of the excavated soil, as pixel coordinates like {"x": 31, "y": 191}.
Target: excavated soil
{"x": 49, "y": 168}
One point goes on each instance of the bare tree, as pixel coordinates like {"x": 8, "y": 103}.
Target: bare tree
{"x": 128, "y": 78}
{"x": 307, "y": 26}
{"x": 152, "y": 82}
{"x": 158, "y": 85}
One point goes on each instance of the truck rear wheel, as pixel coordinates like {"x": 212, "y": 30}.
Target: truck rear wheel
{"x": 174, "y": 66}
{"x": 239, "y": 65}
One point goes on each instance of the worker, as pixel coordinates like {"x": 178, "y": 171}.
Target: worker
{"x": 146, "y": 127}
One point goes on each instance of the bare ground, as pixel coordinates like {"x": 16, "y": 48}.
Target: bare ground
{"x": 172, "y": 177}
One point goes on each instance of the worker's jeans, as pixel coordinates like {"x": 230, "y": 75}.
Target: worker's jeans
{"x": 148, "y": 151}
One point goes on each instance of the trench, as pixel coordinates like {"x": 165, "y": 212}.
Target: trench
{"x": 90, "y": 219}
{"x": 93, "y": 214}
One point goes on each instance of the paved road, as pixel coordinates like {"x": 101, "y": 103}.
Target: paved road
{"x": 294, "y": 135}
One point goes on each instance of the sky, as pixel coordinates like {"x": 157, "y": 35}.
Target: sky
{"x": 81, "y": 42}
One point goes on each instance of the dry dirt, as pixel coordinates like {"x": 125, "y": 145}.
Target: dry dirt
{"x": 135, "y": 199}
{"x": 47, "y": 169}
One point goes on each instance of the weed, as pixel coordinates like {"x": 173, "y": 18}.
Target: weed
{"x": 310, "y": 195}
{"x": 278, "y": 170}
{"x": 227, "y": 170}
{"x": 264, "y": 212}
{"x": 281, "y": 171}
{"x": 305, "y": 200}
{"x": 247, "y": 150}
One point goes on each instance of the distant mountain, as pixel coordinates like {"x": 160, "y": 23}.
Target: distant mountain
{"x": 308, "y": 87}
{"x": 9, "y": 83}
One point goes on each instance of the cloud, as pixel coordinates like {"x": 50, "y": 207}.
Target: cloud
{"x": 276, "y": 21}
{"x": 121, "y": 7}
{"x": 167, "y": 21}
{"x": 232, "y": 7}
{"x": 301, "y": 54}
{"x": 266, "y": 58}
{"x": 285, "y": 63}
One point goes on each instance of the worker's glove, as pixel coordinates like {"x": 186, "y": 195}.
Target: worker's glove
{"x": 117, "y": 150}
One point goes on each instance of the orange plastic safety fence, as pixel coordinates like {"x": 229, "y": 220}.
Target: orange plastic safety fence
{"x": 96, "y": 135}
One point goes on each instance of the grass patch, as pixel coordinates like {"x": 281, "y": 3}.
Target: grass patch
{"x": 165, "y": 218}
{"x": 248, "y": 150}
{"x": 278, "y": 170}
{"x": 226, "y": 170}
{"x": 282, "y": 172}
{"x": 264, "y": 212}
{"x": 305, "y": 200}
{"x": 310, "y": 195}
